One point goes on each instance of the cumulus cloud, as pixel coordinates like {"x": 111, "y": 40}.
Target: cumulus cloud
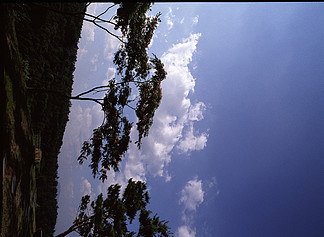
{"x": 196, "y": 111}
{"x": 175, "y": 114}
{"x": 192, "y": 195}
{"x": 185, "y": 231}
{"x": 192, "y": 142}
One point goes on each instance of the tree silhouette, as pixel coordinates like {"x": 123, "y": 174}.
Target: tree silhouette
{"x": 136, "y": 71}
{"x": 109, "y": 217}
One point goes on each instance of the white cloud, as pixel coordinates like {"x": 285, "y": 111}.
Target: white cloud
{"x": 185, "y": 231}
{"x": 172, "y": 117}
{"x": 195, "y": 20}
{"x": 111, "y": 44}
{"x": 112, "y": 178}
{"x": 83, "y": 120}
{"x": 213, "y": 182}
{"x": 110, "y": 74}
{"x": 81, "y": 53}
{"x": 182, "y": 20}
{"x": 94, "y": 61}
{"x": 192, "y": 142}
{"x": 88, "y": 31}
{"x": 88, "y": 28}
{"x": 85, "y": 187}
{"x": 192, "y": 195}
{"x": 170, "y": 24}
{"x": 180, "y": 54}
{"x": 92, "y": 8}
{"x": 169, "y": 17}
{"x": 152, "y": 40}
{"x": 196, "y": 111}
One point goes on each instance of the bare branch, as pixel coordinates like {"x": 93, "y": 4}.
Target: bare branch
{"x": 89, "y": 99}
{"x": 66, "y": 96}
{"x": 118, "y": 37}
{"x": 107, "y": 9}
{"x": 130, "y": 107}
{"x": 100, "y": 19}
{"x": 93, "y": 89}
{"x": 76, "y": 14}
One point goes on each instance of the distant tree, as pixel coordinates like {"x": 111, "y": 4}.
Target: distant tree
{"x": 135, "y": 71}
{"x": 109, "y": 217}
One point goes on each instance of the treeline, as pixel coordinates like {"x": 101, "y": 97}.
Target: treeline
{"x": 48, "y": 42}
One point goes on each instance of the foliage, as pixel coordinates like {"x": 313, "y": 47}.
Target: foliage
{"x": 49, "y": 49}
{"x": 109, "y": 217}
{"x": 134, "y": 69}
{"x": 48, "y": 34}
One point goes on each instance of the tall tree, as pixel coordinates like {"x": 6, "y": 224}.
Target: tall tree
{"x": 135, "y": 71}
{"x": 109, "y": 217}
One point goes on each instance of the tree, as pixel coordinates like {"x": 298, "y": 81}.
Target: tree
{"x": 136, "y": 71}
{"x": 109, "y": 217}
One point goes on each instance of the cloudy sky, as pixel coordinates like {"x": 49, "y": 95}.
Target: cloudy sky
{"x": 236, "y": 148}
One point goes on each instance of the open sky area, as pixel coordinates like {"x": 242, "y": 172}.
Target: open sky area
{"x": 237, "y": 144}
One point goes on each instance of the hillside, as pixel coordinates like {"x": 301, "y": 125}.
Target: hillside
{"x": 39, "y": 47}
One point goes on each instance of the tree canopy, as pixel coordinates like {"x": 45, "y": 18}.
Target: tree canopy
{"x": 109, "y": 217}
{"x": 135, "y": 71}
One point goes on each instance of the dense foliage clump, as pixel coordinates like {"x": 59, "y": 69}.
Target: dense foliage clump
{"x": 48, "y": 45}
{"x": 110, "y": 216}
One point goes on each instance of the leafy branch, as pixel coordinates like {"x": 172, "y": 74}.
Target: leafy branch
{"x": 109, "y": 217}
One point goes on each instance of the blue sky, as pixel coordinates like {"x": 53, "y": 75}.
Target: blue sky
{"x": 236, "y": 148}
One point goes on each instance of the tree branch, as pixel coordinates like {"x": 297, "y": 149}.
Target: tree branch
{"x": 118, "y": 37}
{"x": 90, "y": 99}
{"x": 66, "y": 96}
{"x": 101, "y": 87}
{"x": 130, "y": 107}
{"x": 75, "y": 226}
{"x": 104, "y": 12}
{"x": 93, "y": 89}
{"x": 75, "y": 14}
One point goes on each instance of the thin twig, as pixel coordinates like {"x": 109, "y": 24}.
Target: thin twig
{"x": 107, "y": 9}
{"x": 93, "y": 89}
{"x": 118, "y": 37}
{"x": 130, "y": 107}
